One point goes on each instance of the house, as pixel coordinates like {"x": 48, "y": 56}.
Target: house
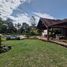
{"x": 53, "y": 28}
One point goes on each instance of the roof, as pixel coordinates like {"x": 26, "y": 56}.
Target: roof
{"x": 44, "y": 22}
{"x": 50, "y": 22}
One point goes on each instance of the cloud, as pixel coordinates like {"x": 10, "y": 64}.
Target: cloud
{"x": 39, "y": 15}
{"x": 24, "y": 17}
{"x": 43, "y": 15}
{"x": 7, "y": 7}
{"x": 21, "y": 18}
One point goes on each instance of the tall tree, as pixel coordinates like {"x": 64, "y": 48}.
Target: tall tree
{"x": 24, "y": 28}
{"x": 33, "y": 21}
{"x": 2, "y": 26}
{"x": 18, "y": 26}
{"x": 10, "y": 26}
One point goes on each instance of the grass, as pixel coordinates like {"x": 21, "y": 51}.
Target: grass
{"x": 33, "y": 53}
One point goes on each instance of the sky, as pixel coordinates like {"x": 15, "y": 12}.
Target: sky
{"x": 21, "y": 10}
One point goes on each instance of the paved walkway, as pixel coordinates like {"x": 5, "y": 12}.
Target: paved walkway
{"x": 42, "y": 38}
{"x": 60, "y": 42}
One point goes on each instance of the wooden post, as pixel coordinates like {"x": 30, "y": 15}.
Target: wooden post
{"x": 48, "y": 34}
{"x": 52, "y": 33}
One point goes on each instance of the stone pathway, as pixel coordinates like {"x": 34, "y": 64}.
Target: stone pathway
{"x": 60, "y": 42}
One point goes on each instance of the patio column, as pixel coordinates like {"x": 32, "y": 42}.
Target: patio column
{"x": 48, "y": 34}
{"x": 52, "y": 33}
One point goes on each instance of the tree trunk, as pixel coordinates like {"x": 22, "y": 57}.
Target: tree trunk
{"x": 0, "y": 40}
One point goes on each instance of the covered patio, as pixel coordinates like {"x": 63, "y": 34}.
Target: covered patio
{"x": 55, "y": 29}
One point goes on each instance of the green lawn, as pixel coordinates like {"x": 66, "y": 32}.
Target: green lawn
{"x": 33, "y": 53}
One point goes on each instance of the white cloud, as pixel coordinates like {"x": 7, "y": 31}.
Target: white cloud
{"x": 43, "y": 15}
{"x": 26, "y": 18}
{"x": 39, "y": 15}
{"x": 7, "y": 7}
{"x": 21, "y": 18}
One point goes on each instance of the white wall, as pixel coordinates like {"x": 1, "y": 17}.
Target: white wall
{"x": 44, "y": 33}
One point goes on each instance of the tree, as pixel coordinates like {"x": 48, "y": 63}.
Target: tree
{"x": 24, "y": 28}
{"x": 33, "y": 21}
{"x": 4, "y": 28}
{"x": 18, "y": 26}
{"x": 7, "y": 26}
{"x": 2, "y": 22}
{"x": 10, "y": 26}
{"x": 0, "y": 40}
{"x": 33, "y": 26}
